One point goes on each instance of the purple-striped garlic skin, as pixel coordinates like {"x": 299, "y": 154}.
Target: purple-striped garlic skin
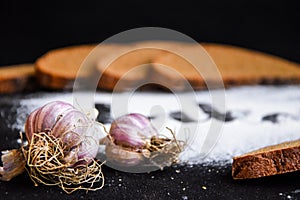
{"x": 72, "y": 126}
{"x": 132, "y": 130}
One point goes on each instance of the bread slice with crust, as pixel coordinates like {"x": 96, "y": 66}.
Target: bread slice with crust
{"x": 126, "y": 67}
{"x": 240, "y": 66}
{"x": 237, "y": 66}
{"x": 15, "y": 78}
{"x": 57, "y": 69}
{"x": 131, "y": 66}
{"x": 119, "y": 63}
{"x": 271, "y": 160}
{"x": 188, "y": 64}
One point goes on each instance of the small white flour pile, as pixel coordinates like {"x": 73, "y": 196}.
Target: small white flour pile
{"x": 248, "y": 105}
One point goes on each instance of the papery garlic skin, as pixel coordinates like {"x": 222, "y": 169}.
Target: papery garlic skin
{"x": 77, "y": 132}
{"x": 133, "y": 130}
{"x": 122, "y": 156}
{"x": 45, "y": 117}
{"x": 134, "y": 145}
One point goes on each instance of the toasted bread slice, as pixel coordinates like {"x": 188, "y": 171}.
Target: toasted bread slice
{"x": 58, "y": 68}
{"x": 15, "y": 78}
{"x": 131, "y": 65}
{"x": 271, "y": 160}
{"x": 188, "y": 64}
{"x": 122, "y": 64}
{"x": 243, "y": 66}
{"x": 126, "y": 68}
{"x": 237, "y": 66}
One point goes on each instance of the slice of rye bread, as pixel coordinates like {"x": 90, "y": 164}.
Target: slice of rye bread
{"x": 237, "y": 66}
{"x": 15, "y": 78}
{"x": 243, "y": 66}
{"x": 131, "y": 65}
{"x": 271, "y": 160}
{"x": 127, "y": 67}
{"x": 58, "y": 68}
{"x": 175, "y": 70}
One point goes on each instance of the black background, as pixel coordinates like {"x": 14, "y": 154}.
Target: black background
{"x": 29, "y": 29}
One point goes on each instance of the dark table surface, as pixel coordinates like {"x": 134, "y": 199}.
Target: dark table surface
{"x": 211, "y": 181}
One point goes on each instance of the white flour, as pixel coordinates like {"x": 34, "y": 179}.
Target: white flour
{"x": 247, "y": 132}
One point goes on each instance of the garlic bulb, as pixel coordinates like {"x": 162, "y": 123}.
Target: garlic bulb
{"x": 61, "y": 150}
{"x": 134, "y": 145}
{"x": 133, "y": 130}
{"x": 73, "y": 127}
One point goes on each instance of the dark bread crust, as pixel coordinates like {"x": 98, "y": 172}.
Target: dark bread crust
{"x": 277, "y": 159}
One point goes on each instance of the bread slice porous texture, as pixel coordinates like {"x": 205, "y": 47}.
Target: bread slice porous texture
{"x": 267, "y": 161}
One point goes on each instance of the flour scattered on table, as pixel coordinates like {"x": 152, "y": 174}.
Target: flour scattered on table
{"x": 259, "y": 116}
